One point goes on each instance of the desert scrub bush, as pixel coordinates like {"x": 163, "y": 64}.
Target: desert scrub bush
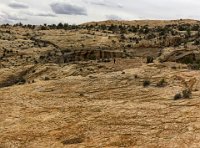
{"x": 92, "y": 57}
{"x": 188, "y": 60}
{"x": 21, "y": 81}
{"x": 174, "y": 67}
{"x": 136, "y": 76}
{"x": 186, "y": 93}
{"x": 151, "y": 36}
{"x": 177, "y": 96}
{"x": 149, "y": 59}
{"x": 46, "y": 78}
{"x": 161, "y": 83}
{"x": 146, "y": 83}
{"x": 72, "y": 141}
{"x": 195, "y": 66}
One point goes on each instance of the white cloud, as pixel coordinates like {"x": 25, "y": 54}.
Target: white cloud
{"x": 106, "y": 3}
{"x": 18, "y": 5}
{"x": 34, "y": 12}
{"x": 79, "y": 11}
{"x": 113, "y": 17}
{"x": 10, "y": 18}
{"x": 46, "y": 14}
{"x": 69, "y": 9}
{"x": 9, "y": 15}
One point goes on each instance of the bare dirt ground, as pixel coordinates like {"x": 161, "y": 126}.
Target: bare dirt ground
{"x": 106, "y": 108}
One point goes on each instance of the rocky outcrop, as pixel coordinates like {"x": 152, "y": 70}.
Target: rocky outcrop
{"x": 11, "y": 77}
{"x": 80, "y": 55}
{"x": 180, "y": 55}
{"x": 91, "y": 55}
{"x": 43, "y": 43}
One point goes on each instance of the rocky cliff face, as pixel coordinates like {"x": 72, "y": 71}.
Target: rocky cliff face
{"x": 91, "y": 55}
{"x": 182, "y": 55}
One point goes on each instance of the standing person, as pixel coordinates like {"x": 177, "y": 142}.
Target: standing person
{"x": 114, "y": 60}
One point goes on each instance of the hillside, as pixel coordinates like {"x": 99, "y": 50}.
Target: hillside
{"x": 60, "y": 87}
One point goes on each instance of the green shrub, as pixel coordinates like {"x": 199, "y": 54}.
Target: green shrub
{"x": 177, "y": 96}
{"x": 149, "y": 59}
{"x": 188, "y": 60}
{"x": 161, "y": 83}
{"x": 146, "y": 83}
{"x": 186, "y": 93}
{"x": 195, "y": 66}
{"x": 92, "y": 57}
{"x": 72, "y": 141}
{"x": 136, "y": 76}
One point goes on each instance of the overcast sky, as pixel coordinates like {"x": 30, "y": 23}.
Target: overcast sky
{"x": 79, "y": 11}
